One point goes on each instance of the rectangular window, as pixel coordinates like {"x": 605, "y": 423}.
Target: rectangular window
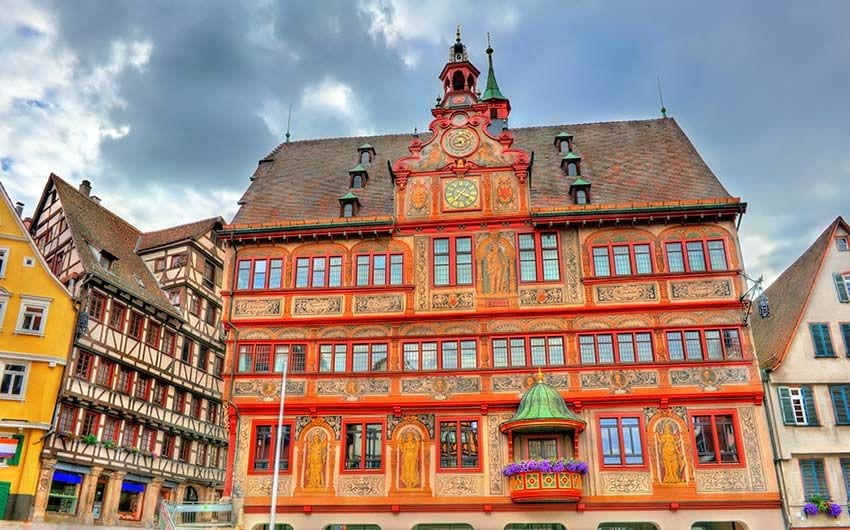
{"x": 85, "y": 360}
{"x": 845, "y": 472}
{"x": 693, "y": 259}
{"x": 822, "y": 340}
{"x": 90, "y": 423}
{"x": 603, "y": 349}
{"x": 798, "y": 406}
{"x": 601, "y": 263}
{"x": 179, "y": 403}
{"x": 262, "y": 353}
{"x": 814, "y": 478}
{"x": 203, "y": 358}
{"x": 717, "y": 255}
{"x": 696, "y": 256}
{"x": 527, "y": 351}
{"x": 152, "y": 337}
{"x": 116, "y": 316}
{"x": 67, "y": 418}
{"x": 159, "y": 264}
{"x": 443, "y": 355}
{"x": 243, "y": 274}
{"x": 13, "y": 377}
{"x": 167, "y": 445}
{"x": 209, "y": 274}
{"x": 845, "y": 333}
{"x": 643, "y": 259}
{"x": 4, "y": 259}
{"x": 168, "y": 341}
{"x": 185, "y": 449}
{"x": 110, "y": 429}
{"x": 459, "y": 447}
{"x": 698, "y": 345}
{"x": 319, "y": 271}
{"x": 716, "y": 439}
{"x": 294, "y": 354}
{"x": 105, "y": 369}
{"x": 246, "y": 354}
{"x": 363, "y": 446}
{"x": 622, "y": 263}
{"x": 621, "y": 441}
{"x": 125, "y": 380}
{"x": 675, "y": 258}
{"x": 212, "y": 412}
{"x": 263, "y": 450}
{"x": 379, "y": 269}
{"x": 160, "y": 392}
{"x": 452, "y": 261}
{"x": 211, "y": 314}
{"x": 143, "y": 384}
{"x": 542, "y": 448}
{"x": 148, "y": 440}
{"x": 129, "y": 433}
{"x": 178, "y": 261}
{"x": 843, "y": 246}
{"x": 33, "y": 317}
{"x": 841, "y": 403}
{"x": 97, "y": 307}
{"x": 624, "y": 260}
{"x": 137, "y": 325}
{"x": 538, "y": 257}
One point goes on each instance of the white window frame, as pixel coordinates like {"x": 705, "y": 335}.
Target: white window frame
{"x": 3, "y": 364}
{"x": 798, "y": 405}
{"x": 4, "y": 303}
{"x": 29, "y": 262}
{"x": 34, "y": 301}
{"x": 846, "y": 277}
{"x": 4, "y": 260}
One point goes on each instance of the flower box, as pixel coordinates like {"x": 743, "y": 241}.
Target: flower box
{"x": 538, "y": 486}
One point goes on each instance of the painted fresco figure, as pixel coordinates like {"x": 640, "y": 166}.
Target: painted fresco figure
{"x": 410, "y": 447}
{"x": 317, "y": 452}
{"x": 496, "y": 265}
{"x": 672, "y": 463}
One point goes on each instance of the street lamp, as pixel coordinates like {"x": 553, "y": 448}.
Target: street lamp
{"x": 279, "y": 439}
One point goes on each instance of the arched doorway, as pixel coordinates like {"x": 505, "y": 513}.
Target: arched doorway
{"x": 190, "y": 496}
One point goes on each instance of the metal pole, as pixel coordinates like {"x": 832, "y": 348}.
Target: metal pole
{"x": 276, "y": 476}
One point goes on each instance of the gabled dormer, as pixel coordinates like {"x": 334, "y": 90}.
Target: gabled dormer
{"x": 349, "y": 205}
{"x": 564, "y": 142}
{"x": 580, "y": 191}
{"x": 359, "y": 176}
{"x": 571, "y": 164}
{"x": 365, "y": 154}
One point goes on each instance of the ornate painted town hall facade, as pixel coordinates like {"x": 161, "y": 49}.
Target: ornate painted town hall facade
{"x": 454, "y": 307}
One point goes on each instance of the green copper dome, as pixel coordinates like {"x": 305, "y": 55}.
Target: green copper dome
{"x": 542, "y": 409}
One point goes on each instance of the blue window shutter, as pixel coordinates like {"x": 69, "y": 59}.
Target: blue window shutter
{"x": 841, "y": 287}
{"x": 809, "y": 404}
{"x": 785, "y": 405}
{"x": 840, "y": 396}
{"x": 822, "y": 340}
{"x": 814, "y": 478}
{"x": 845, "y": 332}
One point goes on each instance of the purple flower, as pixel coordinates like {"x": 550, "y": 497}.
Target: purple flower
{"x": 834, "y": 509}
{"x": 558, "y": 465}
{"x": 810, "y": 508}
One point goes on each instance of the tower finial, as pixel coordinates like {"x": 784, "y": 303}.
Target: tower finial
{"x": 539, "y": 375}
{"x": 489, "y": 48}
{"x": 457, "y": 35}
{"x": 288, "y": 122}
{"x": 492, "y": 91}
{"x": 661, "y": 97}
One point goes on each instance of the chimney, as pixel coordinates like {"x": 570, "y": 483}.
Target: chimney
{"x": 95, "y": 198}
{"x": 85, "y": 188}
{"x": 19, "y": 208}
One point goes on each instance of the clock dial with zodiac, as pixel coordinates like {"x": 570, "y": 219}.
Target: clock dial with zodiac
{"x": 461, "y": 193}
{"x": 460, "y": 142}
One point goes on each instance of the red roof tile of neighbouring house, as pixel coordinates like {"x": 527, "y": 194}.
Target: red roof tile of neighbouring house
{"x": 168, "y": 236}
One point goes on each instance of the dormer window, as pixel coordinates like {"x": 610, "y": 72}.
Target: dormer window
{"x": 349, "y": 205}
{"x": 580, "y": 191}
{"x": 359, "y": 176}
{"x": 571, "y": 164}
{"x": 564, "y": 142}
{"x": 365, "y": 154}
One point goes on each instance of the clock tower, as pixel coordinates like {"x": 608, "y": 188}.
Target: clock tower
{"x": 459, "y": 77}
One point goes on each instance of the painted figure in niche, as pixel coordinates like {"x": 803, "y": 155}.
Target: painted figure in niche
{"x": 496, "y": 265}
{"x": 317, "y": 455}
{"x": 669, "y": 444}
{"x": 410, "y": 450}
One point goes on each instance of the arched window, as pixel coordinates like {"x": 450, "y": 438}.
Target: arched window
{"x": 348, "y": 209}
{"x": 564, "y": 147}
{"x": 581, "y": 197}
{"x": 365, "y": 157}
{"x": 357, "y": 181}
{"x": 457, "y": 80}
{"x": 572, "y": 169}
{"x": 470, "y": 82}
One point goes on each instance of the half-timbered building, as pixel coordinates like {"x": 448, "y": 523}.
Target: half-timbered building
{"x": 139, "y": 417}
{"x": 483, "y": 327}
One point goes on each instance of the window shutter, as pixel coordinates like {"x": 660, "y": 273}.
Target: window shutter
{"x": 845, "y": 331}
{"x": 785, "y": 404}
{"x": 814, "y": 479}
{"x": 822, "y": 340}
{"x": 841, "y": 287}
{"x": 809, "y": 403}
{"x": 840, "y": 405}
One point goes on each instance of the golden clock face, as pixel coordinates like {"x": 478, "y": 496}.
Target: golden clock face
{"x": 460, "y": 142}
{"x": 461, "y": 193}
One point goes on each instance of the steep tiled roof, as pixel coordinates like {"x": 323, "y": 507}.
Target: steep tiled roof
{"x": 629, "y": 161}
{"x": 788, "y": 297}
{"x": 167, "y": 236}
{"x": 92, "y": 224}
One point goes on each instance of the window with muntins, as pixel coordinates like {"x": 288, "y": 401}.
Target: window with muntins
{"x": 542, "y": 448}
{"x": 318, "y": 271}
{"x": 105, "y": 370}
{"x": 459, "y": 447}
{"x": 622, "y": 260}
{"x": 528, "y": 351}
{"x": 363, "y": 446}
{"x": 440, "y": 355}
{"x": 608, "y": 348}
{"x": 538, "y": 257}
{"x": 452, "y": 258}
{"x": 116, "y": 316}
{"x": 13, "y": 378}
{"x": 704, "y": 345}
{"x": 152, "y": 337}
{"x": 798, "y": 405}
{"x": 379, "y": 269}
{"x": 260, "y": 273}
{"x": 345, "y": 357}
{"x": 814, "y": 478}
{"x": 97, "y": 307}
{"x": 841, "y": 403}
{"x": 137, "y": 325}
{"x": 33, "y": 317}
{"x": 4, "y": 259}
{"x": 822, "y": 340}
{"x": 696, "y": 256}
{"x": 845, "y": 334}
{"x": 85, "y": 360}
{"x": 621, "y": 441}
{"x": 716, "y": 439}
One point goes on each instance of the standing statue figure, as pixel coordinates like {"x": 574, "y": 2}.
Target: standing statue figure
{"x": 671, "y": 459}
{"x": 497, "y": 267}
{"x": 317, "y": 453}
{"x": 409, "y": 448}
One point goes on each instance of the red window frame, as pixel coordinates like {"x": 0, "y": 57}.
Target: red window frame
{"x": 117, "y": 316}
{"x": 538, "y": 256}
{"x": 160, "y": 393}
{"x": 136, "y": 326}
{"x": 452, "y": 265}
{"x": 104, "y": 363}
{"x": 127, "y": 383}
{"x": 105, "y": 434}
{"x": 211, "y": 314}
{"x": 311, "y": 264}
{"x": 349, "y": 356}
{"x": 439, "y": 354}
{"x": 143, "y": 387}
{"x": 168, "y": 445}
{"x": 252, "y": 269}
{"x": 178, "y": 260}
{"x": 85, "y": 362}
{"x": 643, "y": 447}
{"x": 94, "y": 423}
{"x": 738, "y": 440}
{"x": 97, "y": 306}
{"x": 704, "y": 344}
{"x": 706, "y": 256}
{"x": 203, "y": 357}
{"x": 457, "y": 420}
{"x": 201, "y": 454}
{"x": 196, "y": 304}
{"x": 197, "y": 405}
{"x": 153, "y": 332}
{"x": 134, "y": 434}
{"x": 150, "y": 434}
{"x": 527, "y": 345}
{"x": 363, "y": 469}
{"x": 612, "y": 269}
{"x": 169, "y": 341}
{"x": 388, "y": 256}
{"x": 615, "y": 347}
{"x": 159, "y": 264}
{"x": 286, "y": 453}
{"x": 179, "y": 402}
{"x": 212, "y": 412}
{"x": 185, "y": 453}
{"x": 559, "y": 443}
{"x": 67, "y": 413}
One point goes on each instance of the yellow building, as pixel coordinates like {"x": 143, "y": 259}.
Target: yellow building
{"x": 37, "y": 318}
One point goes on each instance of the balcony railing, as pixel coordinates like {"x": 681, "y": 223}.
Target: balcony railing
{"x": 538, "y": 486}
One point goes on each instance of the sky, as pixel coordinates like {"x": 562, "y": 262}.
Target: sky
{"x": 167, "y": 106}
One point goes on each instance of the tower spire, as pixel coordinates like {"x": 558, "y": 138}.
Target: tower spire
{"x": 492, "y": 91}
